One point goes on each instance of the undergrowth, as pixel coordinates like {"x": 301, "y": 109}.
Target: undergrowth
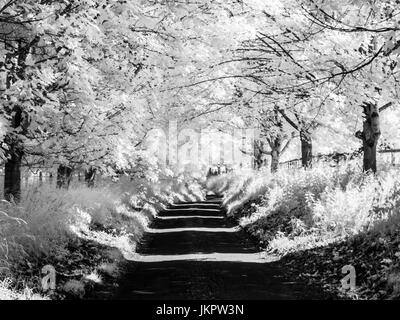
{"x": 81, "y": 232}
{"x": 331, "y": 215}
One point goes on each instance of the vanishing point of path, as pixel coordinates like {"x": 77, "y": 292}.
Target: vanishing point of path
{"x": 193, "y": 251}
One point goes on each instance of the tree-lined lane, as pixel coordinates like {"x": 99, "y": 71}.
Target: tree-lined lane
{"x": 220, "y": 262}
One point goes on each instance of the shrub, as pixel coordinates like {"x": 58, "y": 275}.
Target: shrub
{"x": 74, "y": 229}
{"x": 301, "y": 209}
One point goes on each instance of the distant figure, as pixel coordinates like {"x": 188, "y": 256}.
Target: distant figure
{"x": 209, "y": 173}
{"x": 213, "y": 171}
{"x": 216, "y": 171}
{"x": 223, "y": 169}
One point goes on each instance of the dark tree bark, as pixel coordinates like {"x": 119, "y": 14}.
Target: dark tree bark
{"x": 276, "y": 148}
{"x": 64, "y": 176}
{"x": 19, "y": 121}
{"x": 12, "y": 175}
{"x": 305, "y": 137}
{"x": 90, "y": 175}
{"x": 370, "y": 136}
{"x": 275, "y": 156}
{"x": 258, "y": 154}
{"x": 12, "y": 170}
{"x": 369, "y": 161}
{"x": 306, "y": 149}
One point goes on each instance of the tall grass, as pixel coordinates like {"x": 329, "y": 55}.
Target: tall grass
{"x": 71, "y": 229}
{"x": 301, "y": 209}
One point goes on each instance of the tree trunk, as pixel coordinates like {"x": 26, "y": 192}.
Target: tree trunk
{"x": 12, "y": 175}
{"x": 276, "y": 148}
{"x": 258, "y": 154}
{"x": 258, "y": 162}
{"x": 90, "y": 175}
{"x": 19, "y": 122}
{"x": 12, "y": 172}
{"x": 370, "y": 136}
{"x": 64, "y": 176}
{"x": 369, "y": 161}
{"x": 275, "y": 155}
{"x": 40, "y": 178}
{"x": 306, "y": 149}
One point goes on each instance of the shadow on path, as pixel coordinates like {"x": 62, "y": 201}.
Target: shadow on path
{"x": 193, "y": 251}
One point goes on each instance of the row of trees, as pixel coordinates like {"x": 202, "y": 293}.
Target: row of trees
{"x": 312, "y": 70}
{"x": 337, "y": 61}
{"x": 82, "y": 83}
{"x": 76, "y": 82}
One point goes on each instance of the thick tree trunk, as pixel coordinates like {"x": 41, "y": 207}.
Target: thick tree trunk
{"x": 19, "y": 122}
{"x": 276, "y": 148}
{"x": 258, "y": 154}
{"x": 12, "y": 172}
{"x": 370, "y": 136}
{"x": 12, "y": 175}
{"x": 64, "y": 176}
{"x": 306, "y": 149}
{"x": 369, "y": 161}
{"x": 90, "y": 175}
{"x": 275, "y": 156}
{"x": 258, "y": 161}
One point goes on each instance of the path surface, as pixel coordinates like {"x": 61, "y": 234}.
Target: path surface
{"x": 194, "y": 252}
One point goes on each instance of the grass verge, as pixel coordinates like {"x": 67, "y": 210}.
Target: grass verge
{"x": 83, "y": 234}
{"x": 321, "y": 220}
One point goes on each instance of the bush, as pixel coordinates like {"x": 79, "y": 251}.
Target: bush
{"x": 300, "y": 209}
{"x": 74, "y": 230}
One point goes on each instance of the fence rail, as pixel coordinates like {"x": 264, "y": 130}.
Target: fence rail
{"x": 390, "y": 157}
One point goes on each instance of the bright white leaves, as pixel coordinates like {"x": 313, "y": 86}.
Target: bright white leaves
{"x": 120, "y": 69}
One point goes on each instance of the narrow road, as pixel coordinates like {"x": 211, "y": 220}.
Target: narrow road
{"x": 193, "y": 251}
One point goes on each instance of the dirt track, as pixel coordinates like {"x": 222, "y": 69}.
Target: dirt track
{"x": 194, "y": 252}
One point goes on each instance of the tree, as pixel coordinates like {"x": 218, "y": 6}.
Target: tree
{"x": 318, "y": 49}
{"x": 73, "y": 71}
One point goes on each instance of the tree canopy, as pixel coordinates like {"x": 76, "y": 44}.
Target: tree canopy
{"x": 82, "y": 83}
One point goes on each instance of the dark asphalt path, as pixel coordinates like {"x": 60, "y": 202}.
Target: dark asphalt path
{"x": 193, "y": 251}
